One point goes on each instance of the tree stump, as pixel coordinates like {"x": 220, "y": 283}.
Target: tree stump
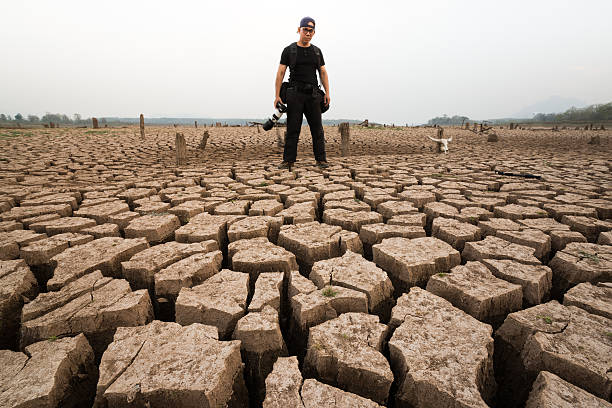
{"x": 181, "y": 149}
{"x": 467, "y": 125}
{"x": 142, "y": 133}
{"x": 344, "y": 138}
{"x": 94, "y": 123}
{"x": 475, "y": 127}
{"x": 595, "y": 140}
{"x": 204, "y": 140}
{"x": 492, "y": 137}
{"x": 52, "y": 125}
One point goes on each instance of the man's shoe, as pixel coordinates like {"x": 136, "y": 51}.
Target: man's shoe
{"x": 322, "y": 164}
{"x": 285, "y": 166}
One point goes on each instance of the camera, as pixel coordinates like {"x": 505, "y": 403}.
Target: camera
{"x": 280, "y": 109}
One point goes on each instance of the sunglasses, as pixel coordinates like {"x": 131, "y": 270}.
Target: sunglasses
{"x": 308, "y": 30}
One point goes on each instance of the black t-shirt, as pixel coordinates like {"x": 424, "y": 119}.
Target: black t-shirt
{"x": 305, "y": 65}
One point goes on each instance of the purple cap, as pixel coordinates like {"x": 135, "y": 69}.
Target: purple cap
{"x": 304, "y": 22}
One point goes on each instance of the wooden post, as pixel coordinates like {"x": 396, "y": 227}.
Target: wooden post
{"x": 94, "y": 123}
{"x": 345, "y": 135}
{"x": 204, "y": 140}
{"x": 195, "y": 124}
{"x": 181, "y": 149}
{"x": 142, "y": 131}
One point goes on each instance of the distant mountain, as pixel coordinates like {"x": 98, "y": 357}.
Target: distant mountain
{"x": 553, "y": 104}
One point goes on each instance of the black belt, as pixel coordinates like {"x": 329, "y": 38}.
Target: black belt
{"x": 304, "y": 87}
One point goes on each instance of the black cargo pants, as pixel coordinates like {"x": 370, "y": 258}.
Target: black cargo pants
{"x": 308, "y": 104}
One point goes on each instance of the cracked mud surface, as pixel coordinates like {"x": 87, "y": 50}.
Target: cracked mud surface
{"x": 396, "y": 277}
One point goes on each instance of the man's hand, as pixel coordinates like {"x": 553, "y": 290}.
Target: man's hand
{"x": 327, "y": 99}
{"x": 277, "y": 100}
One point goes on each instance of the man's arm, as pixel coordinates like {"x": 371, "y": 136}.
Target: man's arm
{"x": 280, "y": 75}
{"x": 325, "y": 82}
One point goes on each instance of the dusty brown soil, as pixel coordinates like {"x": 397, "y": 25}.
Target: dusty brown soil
{"x": 396, "y": 277}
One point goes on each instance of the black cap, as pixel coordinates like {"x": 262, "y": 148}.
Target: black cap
{"x": 304, "y": 22}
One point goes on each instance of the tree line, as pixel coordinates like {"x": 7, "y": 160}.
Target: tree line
{"x": 592, "y": 113}
{"x": 46, "y": 118}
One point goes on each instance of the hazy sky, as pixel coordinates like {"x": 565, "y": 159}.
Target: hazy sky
{"x": 388, "y": 61}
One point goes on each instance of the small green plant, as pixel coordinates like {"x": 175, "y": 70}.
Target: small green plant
{"x": 264, "y": 184}
{"x": 591, "y": 257}
{"x": 52, "y": 338}
{"x": 345, "y": 336}
{"x": 609, "y": 334}
{"x": 547, "y": 319}
{"x": 329, "y": 292}
{"x": 318, "y": 347}
{"x": 442, "y": 274}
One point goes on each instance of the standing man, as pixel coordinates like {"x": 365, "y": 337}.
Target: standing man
{"x": 303, "y": 98}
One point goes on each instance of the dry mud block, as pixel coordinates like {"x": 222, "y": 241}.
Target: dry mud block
{"x": 497, "y": 248}
{"x": 155, "y": 228}
{"x": 186, "y": 210}
{"x": 353, "y": 271}
{"x": 533, "y": 238}
{"x": 166, "y": 365}
{"x": 258, "y": 255}
{"x": 255, "y": 227}
{"x": 594, "y": 299}
{"x": 313, "y": 241}
{"x": 558, "y": 211}
{"x": 11, "y": 241}
{"x": 581, "y": 262}
{"x": 565, "y": 340}
{"x": 17, "y": 285}
{"x": 435, "y": 209}
{"x": 102, "y": 213}
{"x": 312, "y": 308}
{"x": 454, "y": 232}
{"x": 261, "y": 344}
{"x": 587, "y": 226}
{"x": 266, "y": 207}
{"x": 411, "y": 262}
{"x": 299, "y": 213}
{"x": 351, "y": 220}
{"x": 390, "y": 209}
{"x": 63, "y": 225}
{"x": 268, "y": 292}
{"x": 105, "y": 254}
{"x": 186, "y": 273}
{"x": 40, "y": 252}
{"x": 374, "y": 234}
{"x": 418, "y": 219}
{"x": 284, "y": 389}
{"x": 418, "y": 198}
{"x": 220, "y": 301}
{"x": 475, "y": 290}
{"x": 108, "y": 304}
{"x": 58, "y": 373}
{"x": 204, "y": 227}
{"x": 20, "y": 213}
{"x": 605, "y": 238}
{"x": 440, "y": 356}
{"x": 536, "y": 280}
{"x": 519, "y": 212}
{"x": 346, "y": 352}
{"x": 140, "y": 269}
{"x": 550, "y": 391}
{"x": 283, "y": 384}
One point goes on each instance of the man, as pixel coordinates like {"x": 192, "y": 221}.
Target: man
{"x": 303, "y": 97}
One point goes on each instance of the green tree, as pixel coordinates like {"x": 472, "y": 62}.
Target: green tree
{"x": 33, "y": 118}
{"x": 19, "y": 117}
